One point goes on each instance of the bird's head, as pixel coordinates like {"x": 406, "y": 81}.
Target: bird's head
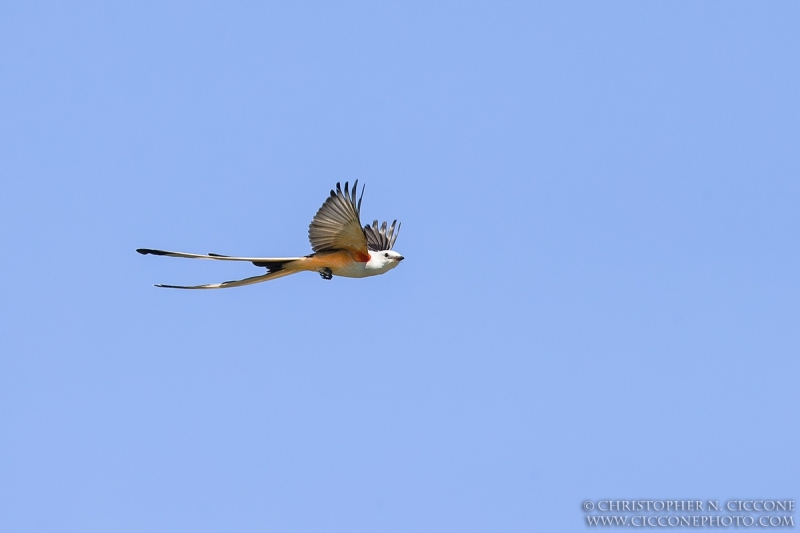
{"x": 386, "y": 259}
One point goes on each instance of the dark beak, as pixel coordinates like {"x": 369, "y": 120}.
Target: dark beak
{"x": 400, "y": 258}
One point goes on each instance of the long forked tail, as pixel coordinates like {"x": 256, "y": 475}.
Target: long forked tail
{"x": 219, "y": 257}
{"x": 236, "y": 283}
{"x": 277, "y": 267}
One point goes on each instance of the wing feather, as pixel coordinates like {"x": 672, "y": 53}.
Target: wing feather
{"x": 381, "y": 239}
{"x": 337, "y": 224}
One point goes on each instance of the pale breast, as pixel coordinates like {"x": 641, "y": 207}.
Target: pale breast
{"x": 355, "y": 270}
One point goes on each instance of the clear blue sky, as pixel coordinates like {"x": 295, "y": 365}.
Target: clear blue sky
{"x": 600, "y": 296}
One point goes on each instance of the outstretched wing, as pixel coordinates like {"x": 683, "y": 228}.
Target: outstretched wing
{"x": 337, "y": 225}
{"x": 258, "y": 261}
{"x": 237, "y": 283}
{"x": 381, "y": 239}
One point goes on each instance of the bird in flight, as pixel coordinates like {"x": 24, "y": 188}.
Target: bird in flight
{"x": 341, "y": 246}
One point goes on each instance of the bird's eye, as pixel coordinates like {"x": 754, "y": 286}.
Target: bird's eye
{"x": 386, "y": 255}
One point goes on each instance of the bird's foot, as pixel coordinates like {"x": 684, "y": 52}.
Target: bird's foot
{"x": 326, "y": 273}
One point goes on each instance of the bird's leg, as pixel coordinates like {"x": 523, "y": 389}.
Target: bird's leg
{"x": 326, "y": 273}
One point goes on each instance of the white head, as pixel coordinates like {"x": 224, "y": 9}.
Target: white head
{"x": 384, "y": 260}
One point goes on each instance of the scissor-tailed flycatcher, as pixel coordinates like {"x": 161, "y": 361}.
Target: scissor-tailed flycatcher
{"x": 341, "y": 246}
